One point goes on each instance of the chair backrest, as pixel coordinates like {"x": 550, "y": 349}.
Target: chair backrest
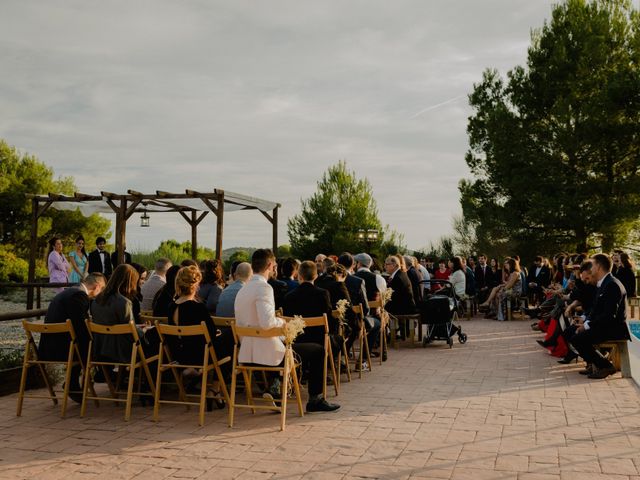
{"x": 223, "y": 321}
{"x": 183, "y": 331}
{"x": 64, "y": 327}
{"x": 357, "y": 309}
{"x": 118, "y": 329}
{"x": 151, "y": 320}
{"x": 375, "y": 304}
{"x": 257, "y": 332}
{"x": 313, "y": 321}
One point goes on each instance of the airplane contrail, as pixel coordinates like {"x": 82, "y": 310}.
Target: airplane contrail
{"x": 432, "y": 107}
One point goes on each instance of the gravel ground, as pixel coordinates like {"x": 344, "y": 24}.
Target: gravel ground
{"x": 11, "y": 333}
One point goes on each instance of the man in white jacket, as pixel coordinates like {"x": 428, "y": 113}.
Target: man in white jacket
{"x": 255, "y": 307}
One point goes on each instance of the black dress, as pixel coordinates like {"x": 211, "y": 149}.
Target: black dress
{"x": 190, "y": 350}
{"x": 628, "y": 280}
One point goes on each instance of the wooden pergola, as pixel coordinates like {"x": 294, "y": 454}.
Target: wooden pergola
{"x": 192, "y": 206}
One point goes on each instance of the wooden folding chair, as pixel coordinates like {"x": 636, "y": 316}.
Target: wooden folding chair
{"x": 139, "y": 363}
{"x": 384, "y": 321}
{"x": 166, "y": 362}
{"x": 287, "y": 370}
{"x": 343, "y": 352}
{"x": 31, "y": 359}
{"x": 363, "y": 342}
{"x": 328, "y": 351}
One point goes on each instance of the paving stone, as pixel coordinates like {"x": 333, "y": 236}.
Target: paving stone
{"x": 497, "y": 408}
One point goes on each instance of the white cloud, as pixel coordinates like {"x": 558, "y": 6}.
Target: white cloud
{"x": 256, "y": 97}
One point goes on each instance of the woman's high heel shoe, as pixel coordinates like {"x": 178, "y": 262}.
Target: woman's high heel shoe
{"x": 569, "y": 357}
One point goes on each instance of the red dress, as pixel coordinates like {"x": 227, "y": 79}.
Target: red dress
{"x": 438, "y": 275}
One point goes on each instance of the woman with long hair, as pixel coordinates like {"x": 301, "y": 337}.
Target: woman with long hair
{"x": 212, "y": 284}
{"x": 188, "y": 310}
{"x": 626, "y": 273}
{"x": 163, "y": 297}
{"x": 57, "y": 263}
{"x": 458, "y": 278}
{"x": 512, "y": 288}
{"x": 78, "y": 261}
{"x": 114, "y": 306}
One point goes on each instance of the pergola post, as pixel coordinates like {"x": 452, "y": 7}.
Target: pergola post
{"x": 219, "y": 223}
{"x": 194, "y": 221}
{"x": 121, "y": 230}
{"x": 274, "y": 224}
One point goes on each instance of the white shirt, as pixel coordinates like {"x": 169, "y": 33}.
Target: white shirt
{"x": 459, "y": 282}
{"x": 255, "y": 307}
{"x": 425, "y": 276}
{"x": 538, "y": 270}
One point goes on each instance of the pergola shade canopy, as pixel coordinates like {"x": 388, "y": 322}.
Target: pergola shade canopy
{"x": 193, "y": 206}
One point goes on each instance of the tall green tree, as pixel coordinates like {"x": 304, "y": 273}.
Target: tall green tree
{"x": 330, "y": 220}
{"x": 21, "y": 174}
{"x": 555, "y": 147}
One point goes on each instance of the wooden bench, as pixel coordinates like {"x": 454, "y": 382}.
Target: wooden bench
{"x": 619, "y": 355}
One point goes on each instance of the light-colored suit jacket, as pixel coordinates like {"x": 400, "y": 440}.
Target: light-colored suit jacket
{"x": 255, "y": 307}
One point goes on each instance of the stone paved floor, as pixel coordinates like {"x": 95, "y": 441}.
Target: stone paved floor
{"x": 495, "y": 408}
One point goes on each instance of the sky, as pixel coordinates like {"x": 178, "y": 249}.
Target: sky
{"x": 258, "y": 98}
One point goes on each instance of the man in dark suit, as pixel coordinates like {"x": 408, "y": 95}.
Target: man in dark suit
{"x": 402, "y": 302}
{"x": 483, "y": 276}
{"x": 99, "y": 259}
{"x": 538, "y": 278}
{"x": 607, "y": 320}
{"x": 73, "y": 304}
{"x": 309, "y": 301}
{"x": 114, "y": 258}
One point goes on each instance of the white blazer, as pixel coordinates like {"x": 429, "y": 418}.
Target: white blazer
{"x": 256, "y": 307}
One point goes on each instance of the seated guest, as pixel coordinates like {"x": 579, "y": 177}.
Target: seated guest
{"x": 320, "y": 266}
{"x": 483, "y": 274}
{"x": 114, "y": 306}
{"x": 212, "y": 284}
{"x": 188, "y": 310}
{"x": 137, "y": 300}
{"x": 255, "y": 307}
{"x": 458, "y": 278}
{"x": 154, "y": 283}
{"x": 374, "y": 284}
{"x": 333, "y": 282}
{"x": 73, "y": 304}
{"x": 355, "y": 285}
{"x": 290, "y": 272}
{"x": 188, "y": 262}
{"x": 539, "y": 277}
{"x": 402, "y": 302}
{"x": 426, "y": 276}
{"x": 626, "y": 273}
{"x": 607, "y": 320}
{"x": 442, "y": 273}
{"x": 309, "y": 301}
{"x": 227, "y": 299}
{"x": 165, "y": 295}
{"x": 279, "y": 287}
{"x": 414, "y": 276}
{"x": 470, "y": 278}
{"x": 504, "y": 293}
{"x": 496, "y": 274}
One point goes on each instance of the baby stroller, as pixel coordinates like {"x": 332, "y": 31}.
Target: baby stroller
{"x": 439, "y": 312}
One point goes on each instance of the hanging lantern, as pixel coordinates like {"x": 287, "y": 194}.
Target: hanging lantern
{"x": 144, "y": 219}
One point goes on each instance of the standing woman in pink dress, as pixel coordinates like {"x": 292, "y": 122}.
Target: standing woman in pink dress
{"x": 57, "y": 263}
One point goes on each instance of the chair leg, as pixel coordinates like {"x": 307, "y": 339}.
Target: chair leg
{"x": 232, "y": 399}
{"x": 366, "y": 348}
{"x": 360, "y": 343}
{"x": 156, "y": 393}
{"x": 67, "y": 381}
{"x": 346, "y": 360}
{"x": 203, "y": 392}
{"x": 296, "y": 388}
{"x": 132, "y": 378}
{"x": 283, "y": 392}
{"x": 87, "y": 381}
{"x": 248, "y": 375}
{"x": 332, "y": 364}
{"x": 23, "y": 380}
{"x": 47, "y": 382}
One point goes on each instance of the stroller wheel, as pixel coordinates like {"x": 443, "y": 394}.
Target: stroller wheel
{"x": 450, "y": 342}
{"x": 462, "y": 337}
